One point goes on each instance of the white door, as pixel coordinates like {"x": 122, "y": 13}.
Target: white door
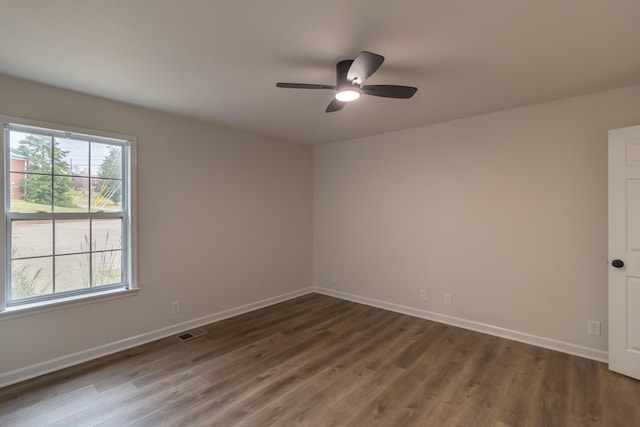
{"x": 624, "y": 251}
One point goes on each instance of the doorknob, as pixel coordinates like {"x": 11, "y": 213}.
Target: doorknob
{"x": 617, "y": 263}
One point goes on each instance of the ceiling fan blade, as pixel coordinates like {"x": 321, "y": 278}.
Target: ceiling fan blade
{"x": 365, "y": 64}
{"x": 304, "y": 86}
{"x": 390, "y": 91}
{"x": 335, "y": 105}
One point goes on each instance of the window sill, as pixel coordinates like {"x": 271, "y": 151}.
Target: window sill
{"x": 64, "y": 303}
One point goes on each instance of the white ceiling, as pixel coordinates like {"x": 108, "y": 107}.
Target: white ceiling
{"x": 219, "y": 60}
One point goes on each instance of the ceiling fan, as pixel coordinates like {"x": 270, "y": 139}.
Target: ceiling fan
{"x": 351, "y": 74}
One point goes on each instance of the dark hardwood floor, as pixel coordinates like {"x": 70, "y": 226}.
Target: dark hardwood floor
{"x": 321, "y": 361}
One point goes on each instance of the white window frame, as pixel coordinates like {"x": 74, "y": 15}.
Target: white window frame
{"x": 128, "y": 215}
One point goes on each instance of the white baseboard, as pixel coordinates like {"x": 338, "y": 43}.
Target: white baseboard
{"x": 48, "y": 366}
{"x": 565, "y": 347}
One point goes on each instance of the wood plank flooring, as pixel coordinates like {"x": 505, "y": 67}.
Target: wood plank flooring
{"x": 321, "y": 361}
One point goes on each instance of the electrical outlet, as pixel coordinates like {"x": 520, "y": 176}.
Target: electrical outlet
{"x": 175, "y": 307}
{"x": 423, "y": 294}
{"x": 593, "y": 327}
{"x": 334, "y": 277}
{"x": 448, "y": 299}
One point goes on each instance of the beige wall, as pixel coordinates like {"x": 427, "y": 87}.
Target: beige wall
{"x": 506, "y": 211}
{"x": 224, "y": 220}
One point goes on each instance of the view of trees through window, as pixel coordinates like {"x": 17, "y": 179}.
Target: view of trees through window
{"x": 75, "y": 176}
{"x": 66, "y": 214}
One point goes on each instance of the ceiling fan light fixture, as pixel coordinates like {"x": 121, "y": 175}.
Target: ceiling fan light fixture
{"x": 348, "y": 95}
{"x": 350, "y": 77}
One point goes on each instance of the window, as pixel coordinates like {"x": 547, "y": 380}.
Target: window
{"x": 68, "y": 213}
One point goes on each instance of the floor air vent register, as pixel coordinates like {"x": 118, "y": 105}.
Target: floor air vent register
{"x": 191, "y": 335}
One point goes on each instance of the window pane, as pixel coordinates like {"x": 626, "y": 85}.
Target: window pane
{"x": 20, "y": 184}
{"x": 106, "y": 161}
{"x": 30, "y": 193}
{"x": 31, "y": 277}
{"x": 106, "y": 195}
{"x": 33, "y": 151}
{"x": 72, "y": 272}
{"x": 64, "y": 195}
{"x": 107, "y": 234}
{"x": 31, "y": 238}
{"x": 80, "y": 194}
{"x": 72, "y": 236}
{"x": 72, "y": 157}
{"x": 107, "y": 268}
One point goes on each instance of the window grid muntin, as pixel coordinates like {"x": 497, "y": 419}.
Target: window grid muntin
{"x": 123, "y": 214}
